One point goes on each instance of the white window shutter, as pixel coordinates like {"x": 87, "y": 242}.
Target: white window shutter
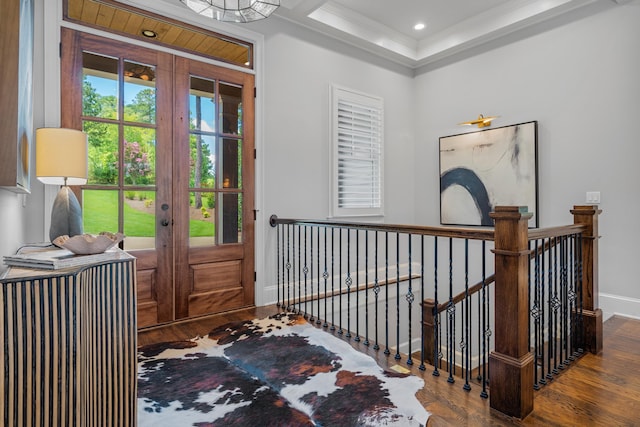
{"x": 357, "y": 138}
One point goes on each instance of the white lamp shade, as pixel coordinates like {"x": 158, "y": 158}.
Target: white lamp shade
{"x": 61, "y": 154}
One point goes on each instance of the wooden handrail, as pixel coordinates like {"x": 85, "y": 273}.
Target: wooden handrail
{"x": 564, "y": 230}
{"x": 475, "y": 233}
{"x": 478, "y": 233}
{"x": 467, "y": 293}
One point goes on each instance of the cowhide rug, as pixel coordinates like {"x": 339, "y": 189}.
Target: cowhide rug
{"x": 278, "y": 371}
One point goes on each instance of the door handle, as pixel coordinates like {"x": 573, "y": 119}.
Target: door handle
{"x": 164, "y": 222}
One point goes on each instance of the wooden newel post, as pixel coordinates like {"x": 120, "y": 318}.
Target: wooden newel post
{"x": 511, "y": 362}
{"x": 592, "y": 315}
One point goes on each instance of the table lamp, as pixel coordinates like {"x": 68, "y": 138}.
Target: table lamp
{"x": 61, "y": 159}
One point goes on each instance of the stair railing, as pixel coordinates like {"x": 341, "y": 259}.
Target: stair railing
{"x": 419, "y": 293}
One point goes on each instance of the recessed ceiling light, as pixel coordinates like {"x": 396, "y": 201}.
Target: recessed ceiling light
{"x": 419, "y": 26}
{"x": 149, "y": 33}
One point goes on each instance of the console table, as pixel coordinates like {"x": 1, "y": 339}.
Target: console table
{"x": 69, "y": 345}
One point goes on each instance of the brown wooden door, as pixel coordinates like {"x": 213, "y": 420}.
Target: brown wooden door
{"x": 160, "y": 170}
{"x": 213, "y": 157}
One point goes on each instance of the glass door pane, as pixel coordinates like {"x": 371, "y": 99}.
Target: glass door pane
{"x": 230, "y": 218}
{"x": 202, "y": 161}
{"x": 138, "y": 161}
{"x": 215, "y": 162}
{"x": 119, "y": 116}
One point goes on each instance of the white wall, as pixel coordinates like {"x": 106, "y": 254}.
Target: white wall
{"x": 580, "y": 82}
{"x": 299, "y": 67}
{"x": 12, "y": 223}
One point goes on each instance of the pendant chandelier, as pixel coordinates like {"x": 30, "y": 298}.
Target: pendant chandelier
{"x": 233, "y": 10}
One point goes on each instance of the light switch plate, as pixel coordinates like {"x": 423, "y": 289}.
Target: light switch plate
{"x": 593, "y": 197}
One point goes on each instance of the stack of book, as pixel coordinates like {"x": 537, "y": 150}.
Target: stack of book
{"x": 55, "y": 259}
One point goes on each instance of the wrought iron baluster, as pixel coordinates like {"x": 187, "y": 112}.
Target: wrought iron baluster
{"x": 488, "y": 332}
{"x": 410, "y": 298}
{"x": 479, "y": 336}
{"x": 279, "y": 256}
{"x": 397, "y": 355}
{"x": 366, "y": 287}
{"x": 451, "y": 311}
{"x": 485, "y": 330}
{"x": 289, "y": 267}
{"x": 564, "y": 360}
{"x": 294, "y": 281}
{"x": 357, "y": 338}
{"x": 348, "y": 282}
{"x": 422, "y": 297}
{"x": 298, "y": 301}
{"x": 333, "y": 275}
{"x": 376, "y": 291}
{"x": 535, "y": 313}
{"x": 572, "y": 299}
{"x": 550, "y": 327}
{"x": 530, "y": 300}
{"x": 556, "y": 307}
{"x": 318, "y": 275}
{"x": 311, "y": 317}
{"x": 326, "y": 278}
{"x": 543, "y": 305}
{"x": 339, "y": 281}
{"x": 386, "y": 294}
{"x": 466, "y": 365}
{"x": 437, "y": 353}
{"x": 305, "y": 271}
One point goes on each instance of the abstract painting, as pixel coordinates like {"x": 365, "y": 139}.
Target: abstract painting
{"x": 489, "y": 168}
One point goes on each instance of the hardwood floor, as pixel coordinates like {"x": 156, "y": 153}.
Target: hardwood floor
{"x": 598, "y": 390}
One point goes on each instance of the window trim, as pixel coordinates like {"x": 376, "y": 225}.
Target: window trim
{"x": 340, "y": 94}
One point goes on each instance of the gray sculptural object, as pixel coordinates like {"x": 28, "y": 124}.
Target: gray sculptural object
{"x": 66, "y": 215}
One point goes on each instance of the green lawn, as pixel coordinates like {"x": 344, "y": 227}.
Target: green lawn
{"x": 100, "y": 213}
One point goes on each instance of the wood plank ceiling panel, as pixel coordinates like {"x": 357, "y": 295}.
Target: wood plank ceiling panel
{"x": 89, "y": 12}
{"x": 127, "y": 20}
{"x": 105, "y": 16}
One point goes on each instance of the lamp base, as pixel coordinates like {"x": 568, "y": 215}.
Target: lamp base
{"x": 66, "y": 215}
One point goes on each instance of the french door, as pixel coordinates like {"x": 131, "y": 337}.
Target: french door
{"x": 171, "y": 165}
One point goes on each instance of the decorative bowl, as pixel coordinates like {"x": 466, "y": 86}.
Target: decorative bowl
{"x": 88, "y": 244}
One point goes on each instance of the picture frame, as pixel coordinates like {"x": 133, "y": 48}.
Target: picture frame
{"x": 488, "y": 168}
{"x": 16, "y": 86}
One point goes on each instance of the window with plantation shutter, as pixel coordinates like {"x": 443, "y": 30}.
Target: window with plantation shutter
{"x": 357, "y": 138}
